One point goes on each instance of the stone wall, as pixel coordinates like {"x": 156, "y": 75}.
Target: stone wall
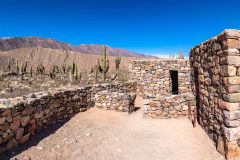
{"x": 153, "y": 76}
{"x": 215, "y": 73}
{"x": 21, "y": 117}
{"x": 117, "y": 101}
{"x": 172, "y": 106}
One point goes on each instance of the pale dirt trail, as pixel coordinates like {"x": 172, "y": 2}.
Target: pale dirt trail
{"x": 107, "y": 135}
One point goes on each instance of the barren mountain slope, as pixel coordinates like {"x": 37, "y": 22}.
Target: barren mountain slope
{"x": 7, "y": 44}
{"x": 48, "y": 57}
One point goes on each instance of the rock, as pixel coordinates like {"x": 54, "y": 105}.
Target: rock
{"x": 19, "y": 133}
{"x": 25, "y": 120}
{"x": 15, "y": 125}
{"x": 2, "y": 120}
{"x": 25, "y": 138}
{"x": 88, "y": 134}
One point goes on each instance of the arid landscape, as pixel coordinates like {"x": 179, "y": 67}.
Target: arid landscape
{"x": 119, "y": 80}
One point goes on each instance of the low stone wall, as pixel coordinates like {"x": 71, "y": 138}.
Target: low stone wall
{"x": 172, "y": 106}
{"x": 117, "y": 101}
{"x": 21, "y": 117}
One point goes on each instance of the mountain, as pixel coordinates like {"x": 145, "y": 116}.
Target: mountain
{"x": 11, "y": 43}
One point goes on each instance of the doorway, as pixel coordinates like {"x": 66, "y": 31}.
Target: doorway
{"x": 174, "y": 79}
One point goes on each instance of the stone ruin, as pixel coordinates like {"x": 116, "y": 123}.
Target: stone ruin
{"x": 165, "y": 86}
{"x": 205, "y": 88}
{"x": 215, "y": 76}
{"x": 208, "y": 86}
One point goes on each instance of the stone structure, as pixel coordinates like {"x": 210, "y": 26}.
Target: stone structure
{"x": 215, "y": 73}
{"x": 165, "y": 86}
{"x": 172, "y": 106}
{"x": 21, "y": 117}
{"x": 154, "y": 76}
{"x": 117, "y": 101}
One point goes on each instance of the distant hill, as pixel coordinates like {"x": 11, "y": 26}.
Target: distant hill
{"x": 11, "y": 43}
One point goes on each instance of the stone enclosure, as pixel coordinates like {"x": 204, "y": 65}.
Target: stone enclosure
{"x": 206, "y": 87}
{"x": 165, "y": 87}
{"x": 22, "y": 117}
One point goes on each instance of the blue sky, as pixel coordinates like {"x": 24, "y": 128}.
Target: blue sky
{"x": 146, "y": 26}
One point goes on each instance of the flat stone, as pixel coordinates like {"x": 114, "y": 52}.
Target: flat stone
{"x": 233, "y": 97}
{"x": 232, "y": 134}
{"x": 232, "y": 115}
{"x": 228, "y": 70}
{"x": 232, "y": 80}
{"x": 232, "y": 89}
{"x": 228, "y": 106}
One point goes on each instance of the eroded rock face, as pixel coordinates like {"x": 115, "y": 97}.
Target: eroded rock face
{"x": 215, "y": 66}
{"x": 21, "y": 117}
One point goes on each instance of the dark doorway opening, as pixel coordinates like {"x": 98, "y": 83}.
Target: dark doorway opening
{"x": 174, "y": 78}
{"x": 196, "y": 84}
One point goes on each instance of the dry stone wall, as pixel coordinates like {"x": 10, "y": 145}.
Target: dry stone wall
{"x": 21, "y": 117}
{"x": 172, "y": 106}
{"x": 117, "y": 101}
{"x": 153, "y": 76}
{"x": 215, "y": 73}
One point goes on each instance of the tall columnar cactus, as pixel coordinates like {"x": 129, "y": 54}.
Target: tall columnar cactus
{"x": 9, "y": 65}
{"x": 104, "y": 65}
{"x": 180, "y": 55}
{"x": 73, "y": 67}
{"x": 117, "y": 63}
{"x": 64, "y": 68}
{"x": 21, "y": 69}
{"x": 25, "y": 67}
{"x": 75, "y": 73}
{"x": 17, "y": 66}
{"x": 31, "y": 71}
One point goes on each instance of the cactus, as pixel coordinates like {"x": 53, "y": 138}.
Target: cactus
{"x": 117, "y": 63}
{"x": 9, "y": 65}
{"x": 70, "y": 75}
{"x": 180, "y": 55}
{"x": 17, "y": 66}
{"x": 25, "y": 67}
{"x": 64, "y": 68}
{"x": 31, "y": 71}
{"x": 40, "y": 69}
{"x": 104, "y": 65}
{"x": 21, "y": 72}
{"x": 75, "y": 73}
{"x": 73, "y": 67}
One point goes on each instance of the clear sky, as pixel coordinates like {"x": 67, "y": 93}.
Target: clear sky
{"x": 146, "y": 26}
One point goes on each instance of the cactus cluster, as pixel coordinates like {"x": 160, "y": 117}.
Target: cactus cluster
{"x": 103, "y": 66}
{"x": 40, "y": 69}
{"x": 180, "y": 55}
{"x": 171, "y": 56}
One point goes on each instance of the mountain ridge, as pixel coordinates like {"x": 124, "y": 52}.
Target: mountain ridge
{"x": 10, "y": 43}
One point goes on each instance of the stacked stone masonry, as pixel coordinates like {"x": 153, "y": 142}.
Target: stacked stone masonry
{"x": 22, "y": 117}
{"x": 215, "y": 73}
{"x": 153, "y": 76}
{"x": 155, "y": 85}
{"x": 117, "y": 101}
{"x": 172, "y": 106}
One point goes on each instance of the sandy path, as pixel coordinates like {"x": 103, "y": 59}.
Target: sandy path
{"x": 108, "y": 135}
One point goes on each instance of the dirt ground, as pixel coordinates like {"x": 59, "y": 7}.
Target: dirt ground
{"x": 107, "y": 135}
